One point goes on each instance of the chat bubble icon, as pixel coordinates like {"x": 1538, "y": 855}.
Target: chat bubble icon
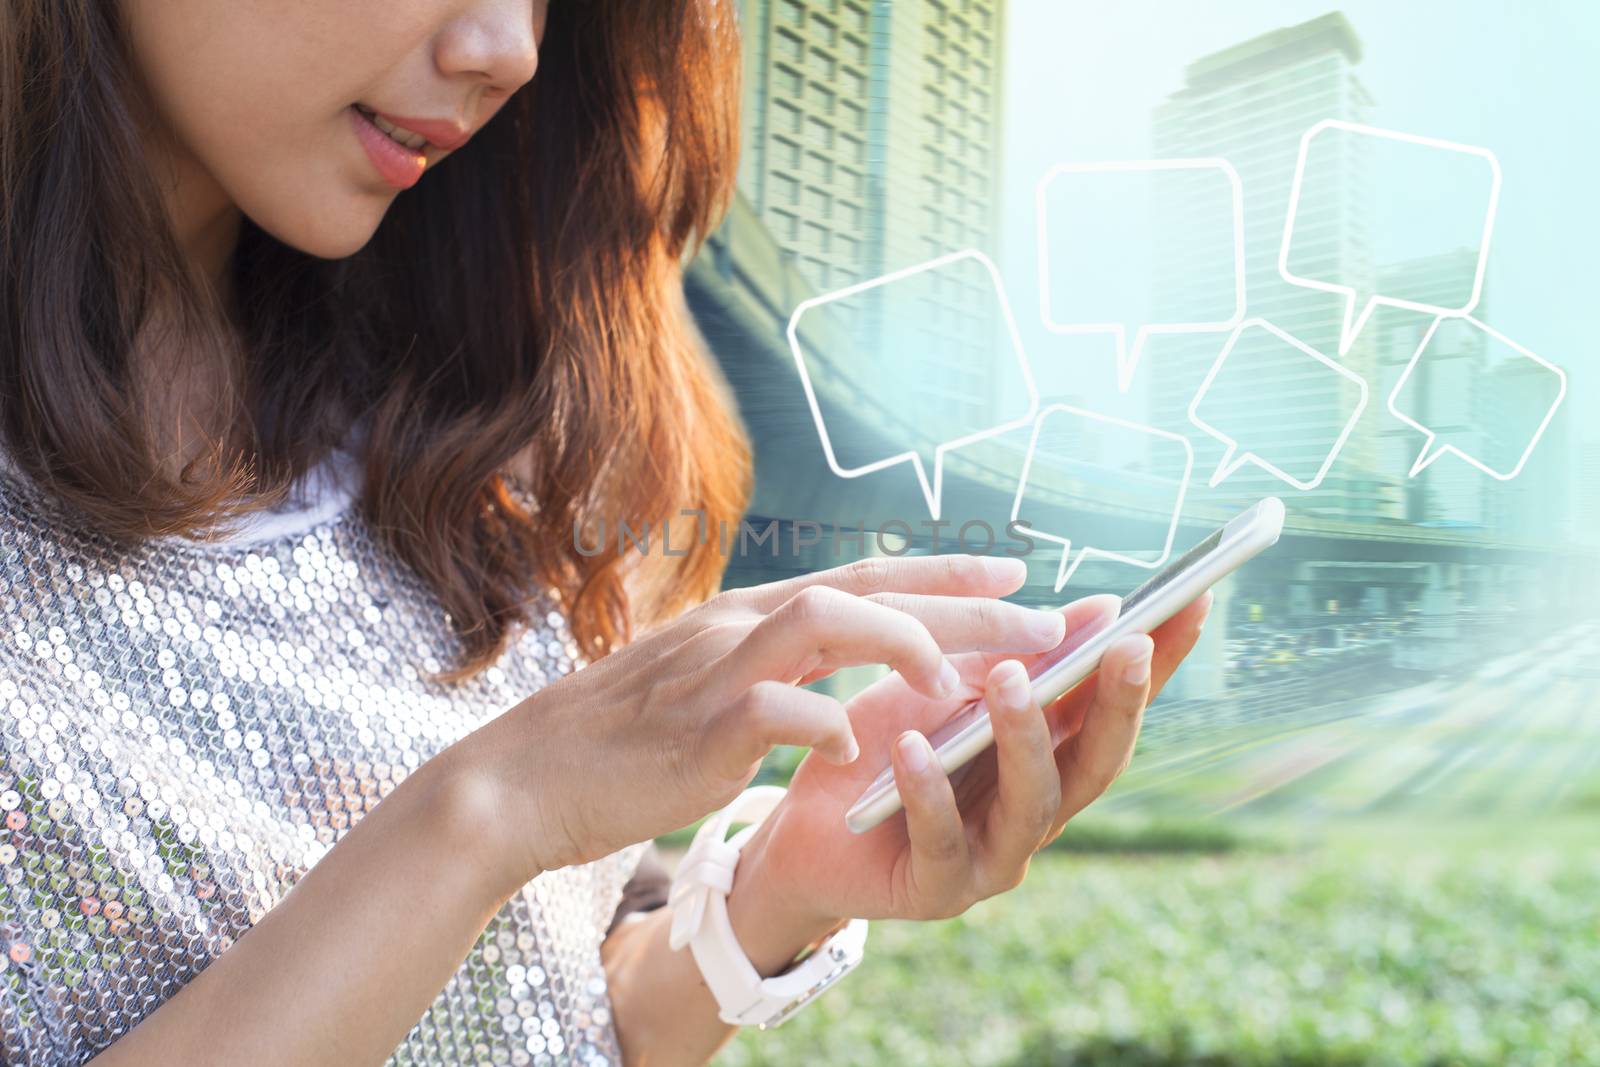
{"x": 1436, "y": 194}
{"x": 1272, "y": 399}
{"x": 1478, "y": 395}
{"x": 1083, "y": 460}
{"x": 907, "y": 367}
{"x": 1099, "y": 225}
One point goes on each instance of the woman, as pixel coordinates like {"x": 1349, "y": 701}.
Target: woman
{"x": 292, "y": 464}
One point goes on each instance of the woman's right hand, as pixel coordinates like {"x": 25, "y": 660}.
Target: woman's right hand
{"x": 674, "y": 725}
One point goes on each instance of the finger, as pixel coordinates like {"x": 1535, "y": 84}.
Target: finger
{"x": 1081, "y": 620}
{"x": 821, "y": 627}
{"x": 1028, "y": 795}
{"x": 966, "y": 624}
{"x": 940, "y": 869}
{"x": 971, "y": 623}
{"x": 1091, "y": 761}
{"x": 951, "y": 575}
{"x": 1175, "y": 639}
{"x": 771, "y": 714}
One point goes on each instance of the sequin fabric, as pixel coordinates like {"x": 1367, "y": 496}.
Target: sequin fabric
{"x": 186, "y": 729}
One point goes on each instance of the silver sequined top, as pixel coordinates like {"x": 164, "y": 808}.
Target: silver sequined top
{"x": 186, "y": 729}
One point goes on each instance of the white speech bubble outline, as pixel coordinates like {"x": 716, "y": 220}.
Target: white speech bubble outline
{"x": 1229, "y": 463}
{"x": 932, "y": 491}
{"x": 1128, "y": 356}
{"x": 1353, "y": 323}
{"x": 1425, "y": 458}
{"x": 1070, "y": 564}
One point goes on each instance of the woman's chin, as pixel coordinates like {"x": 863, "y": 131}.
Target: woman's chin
{"x": 342, "y": 227}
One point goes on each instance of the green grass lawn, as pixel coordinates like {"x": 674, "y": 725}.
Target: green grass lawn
{"x": 1435, "y": 944}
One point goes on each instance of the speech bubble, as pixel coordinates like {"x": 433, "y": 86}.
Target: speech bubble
{"x": 1524, "y": 409}
{"x": 1423, "y": 177}
{"x": 1078, "y": 468}
{"x": 1258, "y": 352}
{"x": 954, "y": 304}
{"x": 1059, "y": 180}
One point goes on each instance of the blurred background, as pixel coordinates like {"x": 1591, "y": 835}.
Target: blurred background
{"x": 1361, "y": 826}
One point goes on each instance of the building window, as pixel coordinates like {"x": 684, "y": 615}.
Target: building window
{"x": 819, "y": 166}
{"x": 822, "y": 64}
{"x": 822, "y": 98}
{"x": 787, "y": 153}
{"x": 855, "y": 16}
{"x": 824, "y": 30}
{"x": 791, "y": 12}
{"x": 785, "y": 225}
{"x": 816, "y": 237}
{"x": 819, "y": 205}
{"x": 788, "y": 82}
{"x": 855, "y": 116}
{"x": 789, "y": 46}
{"x": 820, "y": 133}
{"x": 789, "y": 119}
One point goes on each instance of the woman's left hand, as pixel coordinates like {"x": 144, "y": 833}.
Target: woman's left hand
{"x": 957, "y": 844}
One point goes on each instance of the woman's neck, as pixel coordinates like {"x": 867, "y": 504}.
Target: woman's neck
{"x": 190, "y": 388}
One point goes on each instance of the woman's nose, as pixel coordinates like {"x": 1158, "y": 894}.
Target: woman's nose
{"x": 497, "y": 40}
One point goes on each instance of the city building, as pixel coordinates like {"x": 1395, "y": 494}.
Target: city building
{"x": 1448, "y": 392}
{"x": 1534, "y": 507}
{"x": 1250, "y": 104}
{"x": 1586, "y": 480}
{"x": 871, "y": 142}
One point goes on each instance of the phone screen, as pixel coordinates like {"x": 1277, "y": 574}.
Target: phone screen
{"x": 1158, "y": 580}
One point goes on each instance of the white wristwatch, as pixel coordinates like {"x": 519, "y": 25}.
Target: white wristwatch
{"x": 698, "y": 899}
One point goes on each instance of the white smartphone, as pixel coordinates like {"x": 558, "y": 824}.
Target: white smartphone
{"x": 969, "y": 731}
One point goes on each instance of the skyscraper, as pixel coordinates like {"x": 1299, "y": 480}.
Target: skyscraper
{"x": 1250, "y": 104}
{"x": 1586, "y": 498}
{"x": 1449, "y": 392}
{"x": 871, "y": 142}
{"x": 1535, "y": 506}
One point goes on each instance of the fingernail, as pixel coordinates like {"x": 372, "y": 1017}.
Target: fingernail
{"x": 1005, "y": 568}
{"x": 1137, "y": 672}
{"x": 1206, "y": 600}
{"x": 949, "y": 678}
{"x": 1048, "y": 626}
{"x": 914, "y": 751}
{"x": 1013, "y": 688}
{"x": 853, "y": 751}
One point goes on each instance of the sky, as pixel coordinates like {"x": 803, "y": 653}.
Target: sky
{"x": 1520, "y": 79}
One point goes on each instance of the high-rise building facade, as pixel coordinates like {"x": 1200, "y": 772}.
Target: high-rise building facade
{"x": 1447, "y": 392}
{"x": 1251, "y": 104}
{"x": 1535, "y": 506}
{"x": 1586, "y": 492}
{"x": 871, "y": 142}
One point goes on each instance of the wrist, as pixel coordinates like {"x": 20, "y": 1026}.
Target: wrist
{"x": 467, "y": 808}
{"x": 772, "y": 927}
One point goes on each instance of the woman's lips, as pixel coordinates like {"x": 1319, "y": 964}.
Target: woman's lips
{"x": 398, "y": 165}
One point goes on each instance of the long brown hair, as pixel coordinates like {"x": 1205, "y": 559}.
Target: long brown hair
{"x": 522, "y": 303}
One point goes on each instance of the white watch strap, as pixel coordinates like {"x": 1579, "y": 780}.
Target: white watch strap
{"x": 698, "y": 900}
